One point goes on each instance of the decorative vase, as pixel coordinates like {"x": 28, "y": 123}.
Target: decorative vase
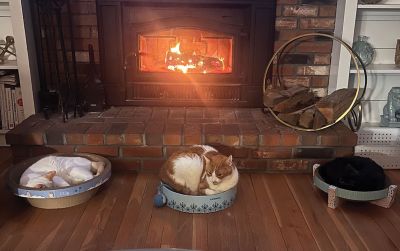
{"x": 370, "y": 1}
{"x": 364, "y": 50}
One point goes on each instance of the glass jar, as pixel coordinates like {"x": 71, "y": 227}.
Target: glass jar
{"x": 364, "y": 50}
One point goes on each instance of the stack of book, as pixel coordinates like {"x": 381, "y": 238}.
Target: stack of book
{"x": 11, "y": 106}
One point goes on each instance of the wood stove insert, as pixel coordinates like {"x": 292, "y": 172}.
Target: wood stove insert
{"x": 192, "y": 53}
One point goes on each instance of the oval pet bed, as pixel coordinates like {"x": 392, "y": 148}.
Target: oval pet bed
{"x": 383, "y": 198}
{"x": 62, "y": 197}
{"x": 195, "y": 203}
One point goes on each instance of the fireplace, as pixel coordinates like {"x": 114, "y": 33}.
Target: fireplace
{"x": 191, "y": 53}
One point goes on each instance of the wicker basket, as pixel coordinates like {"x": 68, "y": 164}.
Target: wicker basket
{"x": 52, "y": 198}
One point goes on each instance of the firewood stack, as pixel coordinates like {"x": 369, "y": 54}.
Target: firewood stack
{"x": 298, "y": 106}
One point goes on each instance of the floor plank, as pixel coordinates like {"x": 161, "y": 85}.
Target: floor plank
{"x": 273, "y": 234}
{"x": 288, "y": 213}
{"x": 322, "y": 227}
{"x": 271, "y": 212}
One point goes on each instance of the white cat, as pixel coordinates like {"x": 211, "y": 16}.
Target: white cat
{"x": 199, "y": 170}
{"x": 59, "y": 171}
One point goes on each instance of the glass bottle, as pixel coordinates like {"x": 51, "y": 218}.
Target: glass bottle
{"x": 364, "y": 50}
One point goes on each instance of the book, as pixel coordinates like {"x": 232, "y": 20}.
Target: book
{"x": 19, "y": 105}
{"x": 9, "y": 106}
{"x": 4, "y": 121}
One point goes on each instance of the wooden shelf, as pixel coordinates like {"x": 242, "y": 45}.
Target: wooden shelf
{"x": 9, "y": 65}
{"x": 379, "y": 6}
{"x": 380, "y": 68}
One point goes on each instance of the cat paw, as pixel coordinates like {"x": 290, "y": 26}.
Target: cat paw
{"x": 98, "y": 167}
{"x": 209, "y": 191}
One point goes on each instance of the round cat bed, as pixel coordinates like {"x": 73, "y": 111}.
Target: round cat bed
{"x": 52, "y": 198}
{"x": 197, "y": 203}
{"x": 384, "y": 197}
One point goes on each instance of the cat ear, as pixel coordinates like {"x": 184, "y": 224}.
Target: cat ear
{"x": 206, "y": 159}
{"x": 229, "y": 160}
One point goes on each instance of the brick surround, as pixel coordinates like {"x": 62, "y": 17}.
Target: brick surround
{"x": 141, "y": 138}
{"x": 308, "y": 63}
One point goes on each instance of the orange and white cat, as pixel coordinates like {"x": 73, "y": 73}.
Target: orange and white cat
{"x": 200, "y": 170}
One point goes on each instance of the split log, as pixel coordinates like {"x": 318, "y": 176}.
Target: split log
{"x": 273, "y": 97}
{"x": 290, "y": 118}
{"x": 307, "y": 118}
{"x": 333, "y": 105}
{"x": 319, "y": 120}
{"x": 292, "y": 91}
{"x": 294, "y": 103}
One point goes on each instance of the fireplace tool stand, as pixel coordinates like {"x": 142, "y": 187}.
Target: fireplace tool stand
{"x": 59, "y": 85}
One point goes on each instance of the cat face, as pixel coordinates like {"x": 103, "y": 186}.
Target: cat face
{"x": 217, "y": 168}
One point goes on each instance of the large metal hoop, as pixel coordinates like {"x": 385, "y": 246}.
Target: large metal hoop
{"x": 354, "y": 59}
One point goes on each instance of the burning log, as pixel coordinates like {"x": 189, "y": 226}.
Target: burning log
{"x": 184, "y": 61}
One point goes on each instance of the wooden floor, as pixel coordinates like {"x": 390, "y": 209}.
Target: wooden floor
{"x": 272, "y": 212}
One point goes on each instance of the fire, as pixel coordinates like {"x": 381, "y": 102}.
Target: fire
{"x": 186, "y": 61}
{"x": 176, "y": 49}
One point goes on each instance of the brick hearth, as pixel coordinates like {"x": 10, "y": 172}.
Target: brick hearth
{"x": 141, "y": 138}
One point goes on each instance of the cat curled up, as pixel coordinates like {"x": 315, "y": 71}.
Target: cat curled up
{"x": 199, "y": 170}
{"x": 60, "y": 171}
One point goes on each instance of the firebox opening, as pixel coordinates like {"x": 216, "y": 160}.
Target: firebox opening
{"x": 186, "y": 50}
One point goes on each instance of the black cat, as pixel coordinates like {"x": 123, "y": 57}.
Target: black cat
{"x": 353, "y": 173}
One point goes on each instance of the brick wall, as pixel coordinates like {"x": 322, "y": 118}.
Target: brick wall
{"x": 307, "y": 64}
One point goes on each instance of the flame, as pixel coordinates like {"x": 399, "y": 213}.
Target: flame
{"x": 183, "y": 61}
{"x": 176, "y": 49}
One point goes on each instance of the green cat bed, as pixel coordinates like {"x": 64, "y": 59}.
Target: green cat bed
{"x": 52, "y": 198}
{"x": 194, "y": 203}
{"x": 383, "y": 198}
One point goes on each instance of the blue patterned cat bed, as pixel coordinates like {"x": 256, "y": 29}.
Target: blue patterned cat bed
{"x": 197, "y": 203}
{"x": 51, "y": 198}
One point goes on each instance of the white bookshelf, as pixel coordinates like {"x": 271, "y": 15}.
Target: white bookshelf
{"x": 15, "y": 20}
{"x": 379, "y": 6}
{"x": 380, "y": 69}
{"x": 9, "y": 65}
{"x": 380, "y": 22}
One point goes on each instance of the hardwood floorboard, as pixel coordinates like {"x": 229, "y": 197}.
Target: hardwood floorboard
{"x": 322, "y": 227}
{"x": 342, "y": 225}
{"x": 271, "y": 212}
{"x": 200, "y": 232}
{"x": 91, "y": 218}
{"x": 242, "y": 222}
{"x": 227, "y": 228}
{"x": 289, "y": 213}
{"x": 252, "y": 210}
{"x": 273, "y": 232}
{"x": 169, "y": 235}
{"x": 154, "y": 234}
{"x": 213, "y": 234}
{"x": 140, "y": 229}
{"x": 131, "y": 213}
{"x": 184, "y": 231}
{"x": 106, "y": 240}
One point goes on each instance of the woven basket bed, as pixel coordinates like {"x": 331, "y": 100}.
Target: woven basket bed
{"x": 63, "y": 197}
